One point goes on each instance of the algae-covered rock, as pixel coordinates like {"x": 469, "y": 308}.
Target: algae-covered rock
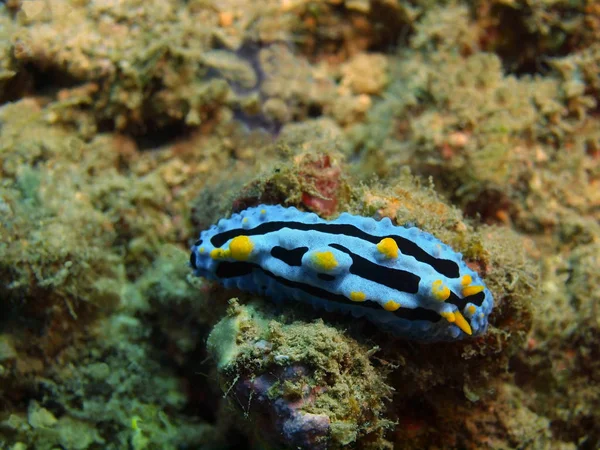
{"x": 73, "y": 253}
{"x": 304, "y": 385}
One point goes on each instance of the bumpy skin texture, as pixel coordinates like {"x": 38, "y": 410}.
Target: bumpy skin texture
{"x": 403, "y": 279}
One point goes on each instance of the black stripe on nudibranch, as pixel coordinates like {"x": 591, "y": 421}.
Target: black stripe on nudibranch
{"x": 198, "y": 243}
{"x": 227, "y": 269}
{"x": 397, "y": 279}
{"x": 325, "y": 277}
{"x": 445, "y": 267}
{"x": 290, "y": 257}
{"x": 193, "y": 261}
{"x": 476, "y": 299}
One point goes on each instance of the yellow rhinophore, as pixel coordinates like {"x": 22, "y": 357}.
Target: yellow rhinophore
{"x": 391, "y": 306}
{"x": 462, "y": 323}
{"x": 357, "y": 296}
{"x": 388, "y": 247}
{"x": 457, "y": 319}
{"x": 240, "y": 248}
{"x": 439, "y": 291}
{"x": 325, "y": 260}
{"x": 466, "y": 280}
{"x": 472, "y": 290}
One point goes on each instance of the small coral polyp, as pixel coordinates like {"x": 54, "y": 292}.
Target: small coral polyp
{"x": 402, "y": 279}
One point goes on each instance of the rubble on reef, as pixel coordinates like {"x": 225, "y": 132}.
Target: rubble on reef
{"x": 128, "y": 127}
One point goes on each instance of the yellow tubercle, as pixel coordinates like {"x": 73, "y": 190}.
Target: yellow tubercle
{"x": 466, "y": 280}
{"x": 245, "y": 220}
{"x": 263, "y": 211}
{"x": 391, "y": 305}
{"x": 449, "y": 316}
{"x": 240, "y": 248}
{"x": 357, "y": 296}
{"x": 201, "y": 250}
{"x": 325, "y": 260}
{"x": 462, "y": 323}
{"x": 471, "y": 309}
{"x": 472, "y": 290}
{"x": 439, "y": 291}
{"x": 388, "y": 247}
{"x": 219, "y": 253}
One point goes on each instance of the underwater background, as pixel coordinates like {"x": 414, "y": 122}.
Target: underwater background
{"x": 127, "y": 127}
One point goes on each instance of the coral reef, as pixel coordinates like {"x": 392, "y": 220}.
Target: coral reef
{"x": 144, "y": 67}
{"x": 538, "y": 29}
{"x": 128, "y": 127}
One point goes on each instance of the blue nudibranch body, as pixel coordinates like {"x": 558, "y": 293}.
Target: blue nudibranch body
{"x": 402, "y": 279}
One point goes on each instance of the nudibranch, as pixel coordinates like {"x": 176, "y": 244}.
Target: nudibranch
{"x": 403, "y": 279}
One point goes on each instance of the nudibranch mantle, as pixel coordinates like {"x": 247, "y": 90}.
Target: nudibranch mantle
{"x": 402, "y": 279}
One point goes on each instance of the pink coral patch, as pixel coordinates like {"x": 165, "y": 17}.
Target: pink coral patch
{"x": 320, "y": 184}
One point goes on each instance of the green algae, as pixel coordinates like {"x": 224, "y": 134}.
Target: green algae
{"x": 64, "y": 271}
{"x": 225, "y": 339}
